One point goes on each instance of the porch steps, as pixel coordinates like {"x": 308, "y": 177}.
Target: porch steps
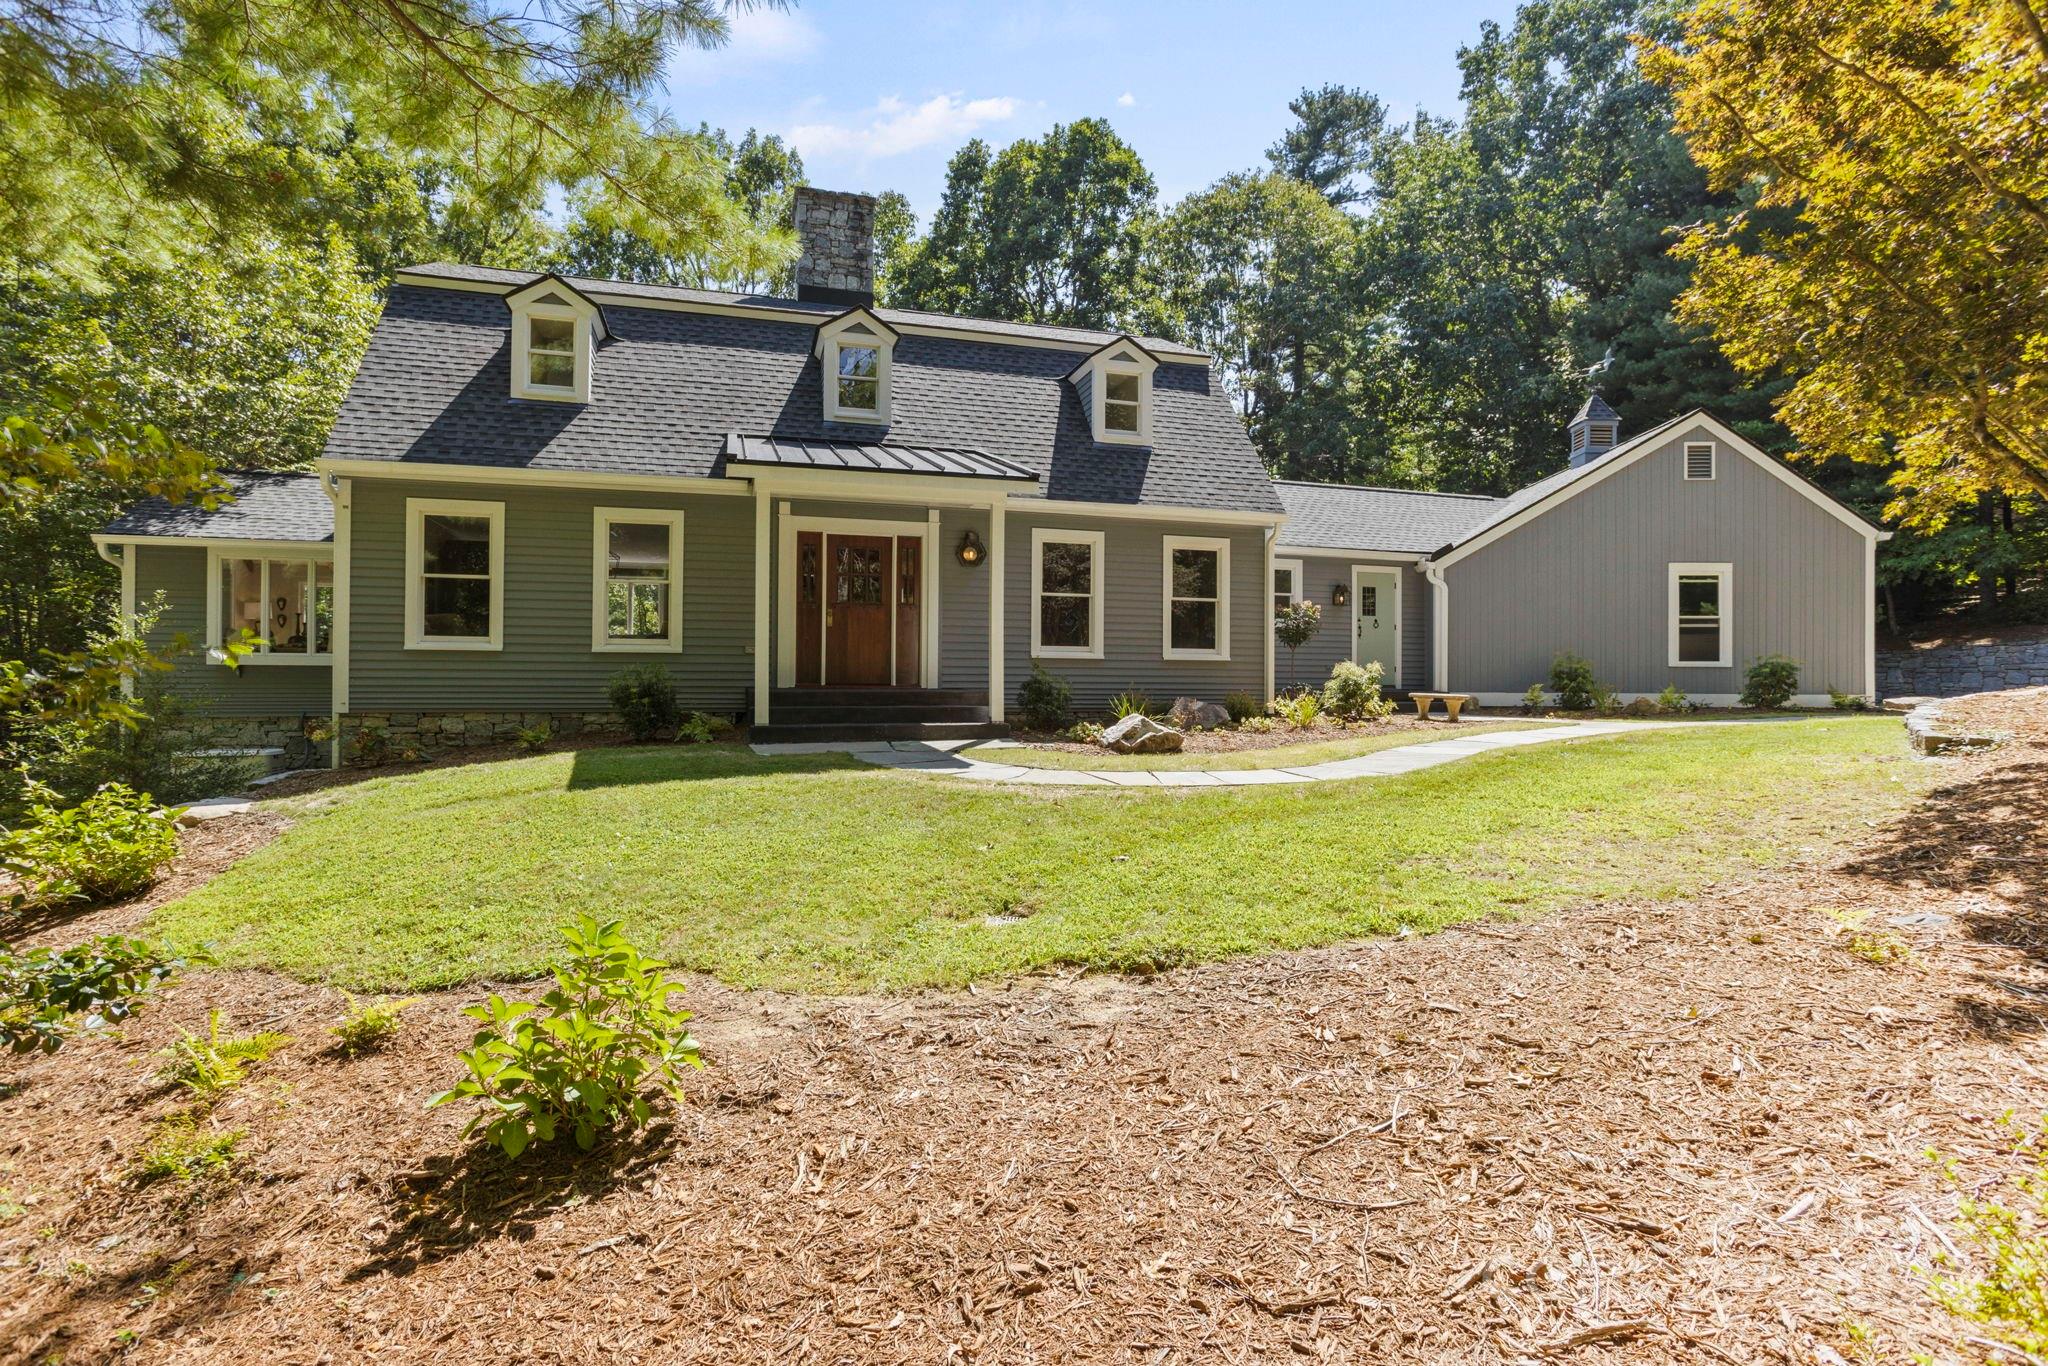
{"x": 798, "y": 715}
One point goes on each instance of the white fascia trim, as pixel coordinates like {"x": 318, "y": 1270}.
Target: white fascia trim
{"x": 601, "y": 519}
{"x": 424, "y": 472}
{"x": 918, "y": 490}
{"x": 1147, "y": 512}
{"x": 1677, "y": 433}
{"x": 1319, "y": 552}
{"x": 1169, "y": 544}
{"x": 1724, "y": 602}
{"x": 802, "y": 317}
{"x": 1358, "y": 572}
{"x": 1040, "y": 535}
{"x": 416, "y": 512}
{"x": 301, "y": 550}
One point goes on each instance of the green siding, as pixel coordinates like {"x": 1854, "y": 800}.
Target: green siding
{"x": 547, "y": 663}
{"x": 179, "y": 573}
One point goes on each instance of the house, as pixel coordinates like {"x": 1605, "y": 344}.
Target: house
{"x": 831, "y": 518}
{"x": 1675, "y": 557}
{"x": 814, "y": 512}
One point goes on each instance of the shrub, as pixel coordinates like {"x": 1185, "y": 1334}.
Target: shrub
{"x": 1847, "y": 701}
{"x": 44, "y": 991}
{"x": 696, "y": 729}
{"x": 1770, "y": 682}
{"x": 1083, "y": 732}
{"x": 2010, "y": 1301}
{"x": 1131, "y": 702}
{"x": 585, "y": 1056}
{"x": 209, "y": 1065}
{"x": 1571, "y": 678}
{"x": 1532, "y": 700}
{"x": 534, "y": 739}
{"x": 1242, "y": 706}
{"x": 1673, "y": 699}
{"x": 1294, "y": 626}
{"x": 168, "y": 752}
{"x": 112, "y": 844}
{"x": 368, "y": 1025}
{"x": 1257, "y": 725}
{"x": 645, "y": 698}
{"x": 1353, "y": 692}
{"x": 182, "y": 1151}
{"x": 1606, "y": 700}
{"x": 1044, "y": 701}
{"x": 369, "y": 747}
{"x": 1299, "y": 710}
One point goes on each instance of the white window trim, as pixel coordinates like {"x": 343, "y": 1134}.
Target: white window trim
{"x": 215, "y": 651}
{"x": 1169, "y": 544}
{"x": 830, "y": 340}
{"x": 601, "y": 519}
{"x": 1294, "y": 595}
{"x": 522, "y": 387}
{"x": 1040, "y": 537}
{"x": 417, "y": 510}
{"x": 1726, "y": 602}
{"x": 1098, "y": 406}
{"x": 1713, "y": 461}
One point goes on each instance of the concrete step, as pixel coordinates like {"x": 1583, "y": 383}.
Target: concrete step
{"x": 847, "y": 730}
{"x": 795, "y": 714}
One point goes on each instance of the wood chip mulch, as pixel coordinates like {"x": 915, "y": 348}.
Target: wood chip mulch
{"x": 1629, "y": 1132}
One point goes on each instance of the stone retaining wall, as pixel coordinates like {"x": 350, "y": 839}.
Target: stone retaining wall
{"x": 1953, "y": 670}
{"x": 436, "y": 732}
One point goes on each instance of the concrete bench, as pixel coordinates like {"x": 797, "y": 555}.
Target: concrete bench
{"x": 1453, "y": 702}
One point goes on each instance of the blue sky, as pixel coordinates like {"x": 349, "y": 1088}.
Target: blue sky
{"x": 877, "y": 96}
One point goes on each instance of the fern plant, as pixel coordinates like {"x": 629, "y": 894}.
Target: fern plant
{"x": 208, "y": 1065}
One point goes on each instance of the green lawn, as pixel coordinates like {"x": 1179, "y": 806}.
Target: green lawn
{"x": 821, "y": 873}
{"x": 1280, "y": 756}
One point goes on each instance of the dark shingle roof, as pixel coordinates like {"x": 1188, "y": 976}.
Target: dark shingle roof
{"x": 267, "y": 507}
{"x": 1353, "y": 517}
{"x": 1595, "y": 409}
{"x": 669, "y": 385}
{"x": 959, "y": 462}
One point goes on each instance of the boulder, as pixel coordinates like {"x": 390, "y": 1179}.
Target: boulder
{"x": 1140, "y": 734}
{"x": 1193, "y": 714}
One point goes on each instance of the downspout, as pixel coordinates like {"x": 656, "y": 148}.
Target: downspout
{"x": 338, "y": 492}
{"x": 1439, "y": 627}
{"x": 125, "y": 562}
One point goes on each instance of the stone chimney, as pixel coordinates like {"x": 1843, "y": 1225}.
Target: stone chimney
{"x": 837, "y": 233}
{"x": 1594, "y": 431}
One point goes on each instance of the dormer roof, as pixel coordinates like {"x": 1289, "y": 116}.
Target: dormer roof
{"x": 858, "y": 314}
{"x": 552, "y": 289}
{"x": 1125, "y": 341}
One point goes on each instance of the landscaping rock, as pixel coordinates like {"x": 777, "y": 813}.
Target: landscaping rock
{"x": 1140, "y": 734}
{"x": 1191, "y": 713}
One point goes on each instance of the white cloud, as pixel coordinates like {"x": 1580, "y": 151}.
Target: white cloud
{"x": 757, "y": 38}
{"x": 894, "y": 127}
{"x": 1126, "y": 100}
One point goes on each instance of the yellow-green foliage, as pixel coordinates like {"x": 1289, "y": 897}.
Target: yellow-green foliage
{"x": 2009, "y": 1301}
{"x": 210, "y": 1065}
{"x": 182, "y": 1149}
{"x": 1882, "y": 947}
{"x": 369, "y": 1025}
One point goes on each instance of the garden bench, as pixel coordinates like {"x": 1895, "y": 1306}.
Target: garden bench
{"x": 1453, "y": 703}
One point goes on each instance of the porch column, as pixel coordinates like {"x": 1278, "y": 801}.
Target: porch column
{"x": 762, "y": 541}
{"x": 997, "y": 569}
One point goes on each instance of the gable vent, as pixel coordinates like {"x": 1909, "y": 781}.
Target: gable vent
{"x": 1699, "y": 460}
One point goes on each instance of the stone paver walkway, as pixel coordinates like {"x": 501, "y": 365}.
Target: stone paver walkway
{"x": 945, "y": 757}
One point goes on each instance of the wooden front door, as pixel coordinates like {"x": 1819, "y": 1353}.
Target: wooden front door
{"x": 859, "y": 601}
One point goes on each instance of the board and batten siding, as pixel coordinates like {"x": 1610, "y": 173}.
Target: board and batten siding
{"x": 179, "y": 573}
{"x": 1332, "y": 644}
{"x": 1133, "y": 613}
{"x": 547, "y": 663}
{"x": 1591, "y": 575}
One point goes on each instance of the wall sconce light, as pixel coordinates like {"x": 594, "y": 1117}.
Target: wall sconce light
{"x": 1340, "y": 596}
{"x": 972, "y": 552}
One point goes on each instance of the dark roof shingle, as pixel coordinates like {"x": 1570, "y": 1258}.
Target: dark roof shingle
{"x": 1355, "y": 517}
{"x": 267, "y": 507}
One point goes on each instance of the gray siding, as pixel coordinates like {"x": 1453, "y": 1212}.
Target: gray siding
{"x": 179, "y": 572}
{"x": 1133, "y": 614}
{"x": 1333, "y": 642}
{"x": 546, "y": 663}
{"x": 1590, "y": 576}
{"x": 963, "y": 604}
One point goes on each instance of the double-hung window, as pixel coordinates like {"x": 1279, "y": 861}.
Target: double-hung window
{"x": 1702, "y": 627}
{"x": 1197, "y": 598}
{"x": 636, "y": 579}
{"x": 286, "y": 603}
{"x": 454, "y": 574}
{"x": 1066, "y": 592}
{"x": 854, "y": 351}
{"x": 1286, "y": 584}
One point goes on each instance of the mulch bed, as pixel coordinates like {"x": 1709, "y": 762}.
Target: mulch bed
{"x": 1235, "y": 741}
{"x": 1626, "y": 1133}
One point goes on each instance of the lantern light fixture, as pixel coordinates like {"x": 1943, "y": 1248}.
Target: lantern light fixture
{"x": 972, "y": 552}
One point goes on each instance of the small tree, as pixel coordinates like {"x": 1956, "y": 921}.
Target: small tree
{"x": 1572, "y": 679}
{"x": 1294, "y": 626}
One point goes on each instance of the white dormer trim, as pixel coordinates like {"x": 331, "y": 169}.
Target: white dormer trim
{"x": 553, "y": 299}
{"x": 1121, "y": 359}
{"x": 856, "y": 327}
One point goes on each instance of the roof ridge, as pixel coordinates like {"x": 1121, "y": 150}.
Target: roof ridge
{"x": 1384, "y": 488}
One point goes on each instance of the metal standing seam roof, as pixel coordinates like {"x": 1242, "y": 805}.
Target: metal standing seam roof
{"x": 959, "y": 462}
{"x": 267, "y": 506}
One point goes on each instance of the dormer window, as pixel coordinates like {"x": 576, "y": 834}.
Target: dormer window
{"x": 854, "y": 351}
{"x": 554, "y": 334}
{"x": 1115, "y": 385}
